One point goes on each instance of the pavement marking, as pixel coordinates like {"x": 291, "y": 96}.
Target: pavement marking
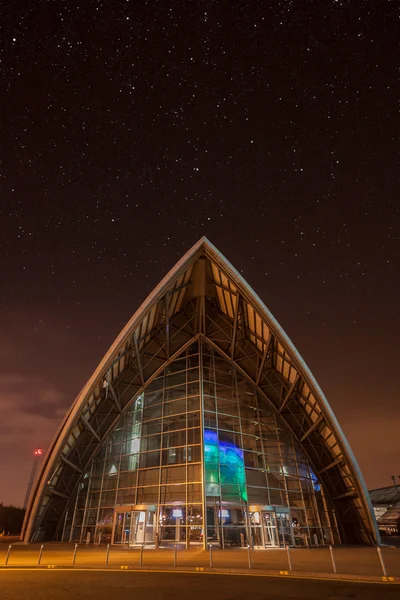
{"x": 383, "y": 581}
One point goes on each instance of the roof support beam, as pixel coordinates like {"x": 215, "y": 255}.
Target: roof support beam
{"x": 114, "y": 396}
{"x": 138, "y": 359}
{"x": 57, "y": 493}
{"x": 290, "y": 392}
{"x": 264, "y": 357}
{"x": 235, "y": 323}
{"x": 311, "y": 429}
{"x": 71, "y": 464}
{"x": 90, "y": 429}
{"x": 351, "y": 493}
{"x": 336, "y": 462}
{"x": 167, "y": 324}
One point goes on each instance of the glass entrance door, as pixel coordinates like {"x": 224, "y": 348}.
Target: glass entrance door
{"x": 133, "y": 528}
{"x": 270, "y": 529}
{"x": 257, "y": 530}
{"x": 285, "y": 529}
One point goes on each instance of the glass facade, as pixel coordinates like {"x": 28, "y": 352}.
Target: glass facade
{"x": 199, "y": 457}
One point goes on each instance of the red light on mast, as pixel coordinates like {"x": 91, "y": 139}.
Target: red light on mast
{"x": 38, "y": 452}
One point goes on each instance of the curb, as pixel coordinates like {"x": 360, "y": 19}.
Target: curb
{"x": 211, "y": 571}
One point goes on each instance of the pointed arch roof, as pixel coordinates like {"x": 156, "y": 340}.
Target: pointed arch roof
{"x": 204, "y": 295}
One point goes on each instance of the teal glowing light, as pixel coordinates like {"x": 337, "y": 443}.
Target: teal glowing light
{"x": 224, "y": 468}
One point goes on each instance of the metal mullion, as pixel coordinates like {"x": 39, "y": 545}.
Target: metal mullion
{"x": 73, "y": 517}
{"x": 301, "y": 488}
{"x": 255, "y": 398}
{"x": 316, "y": 510}
{"x": 220, "y": 527}
{"x": 244, "y": 466}
{"x": 282, "y": 467}
{"x": 160, "y": 469}
{"x": 203, "y": 479}
{"x": 101, "y": 484}
{"x": 84, "y": 520}
{"x": 186, "y": 455}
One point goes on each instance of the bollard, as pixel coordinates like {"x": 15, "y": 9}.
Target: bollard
{"x": 8, "y": 554}
{"x": 141, "y": 555}
{"x": 211, "y": 561}
{"x": 107, "y": 554}
{"x": 40, "y": 555}
{"x": 288, "y": 558}
{"x": 74, "y": 557}
{"x": 332, "y": 558}
{"x": 249, "y": 556}
{"x": 175, "y": 555}
{"x": 382, "y": 563}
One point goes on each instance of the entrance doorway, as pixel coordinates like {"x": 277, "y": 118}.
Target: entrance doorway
{"x": 134, "y": 527}
{"x": 264, "y": 529}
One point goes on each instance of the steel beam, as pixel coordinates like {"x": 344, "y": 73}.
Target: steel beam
{"x": 138, "y": 358}
{"x": 290, "y": 392}
{"x": 338, "y": 461}
{"x": 71, "y": 464}
{"x": 264, "y": 357}
{"x": 235, "y": 324}
{"x": 90, "y": 429}
{"x": 311, "y": 429}
{"x": 57, "y": 493}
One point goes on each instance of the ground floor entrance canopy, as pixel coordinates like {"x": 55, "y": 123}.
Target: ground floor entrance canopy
{"x": 202, "y": 424}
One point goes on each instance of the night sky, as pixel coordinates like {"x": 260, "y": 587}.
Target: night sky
{"x": 130, "y": 129}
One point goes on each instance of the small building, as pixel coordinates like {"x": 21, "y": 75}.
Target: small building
{"x": 386, "y": 504}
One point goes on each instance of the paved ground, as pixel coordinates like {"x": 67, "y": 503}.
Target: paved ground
{"x": 362, "y": 562}
{"x": 124, "y": 585}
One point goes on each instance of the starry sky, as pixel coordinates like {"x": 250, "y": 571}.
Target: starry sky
{"x": 132, "y": 128}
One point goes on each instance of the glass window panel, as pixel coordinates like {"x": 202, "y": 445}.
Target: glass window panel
{"x": 147, "y": 494}
{"x": 107, "y": 499}
{"x": 174, "y": 408}
{"x": 193, "y": 436}
{"x": 152, "y": 412}
{"x": 153, "y": 397}
{"x": 193, "y": 374}
{"x": 251, "y": 442}
{"x": 175, "y": 393}
{"x": 254, "y": 460}
{"x": 170, "y": 514}
{"x": 176, "y": 379}
{"x": 149, "y": 477}
{"x": 194, "y": 493}
{"x": 209, "y": 403}
{"x": 151, "y": 442}
{"x": 193, "y": 419}
{"x": 130, "y": 462}
{"x": 229, "y": 423}
{"x": 174, "y": 438}
{"x": 250, "y": 427}
{"x": 150, "y": 459}
{"x": 210, "y": 420}
{"x": 173, "y": 474}
{"x": 194, "y": 472}
{"x": 277, "y": 497}
{"x": 276, "y": 481}
{"x": 227, "y": 407}
{"x": 172, "y": 493}
{"x": 258, "y": 495}
{"x": 173, "y": 456}
{"x": 256, "y": 478}
{"x": 176, "y": 422}
{"x": 193, "y": 403}
{"x": 193, "y": 388}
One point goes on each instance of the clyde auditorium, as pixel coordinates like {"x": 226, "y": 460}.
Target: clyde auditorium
{"x": 201, "y": 425}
